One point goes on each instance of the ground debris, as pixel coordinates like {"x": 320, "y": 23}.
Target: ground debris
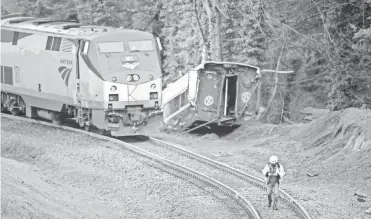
{"x": 312, "y": 175}
{"x": 210, "y": 136}
{"x": 359, "y": 195}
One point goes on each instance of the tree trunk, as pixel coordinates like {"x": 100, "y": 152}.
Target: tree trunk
{"x": 275, "y": 81}
{"x": 218, "y": 40}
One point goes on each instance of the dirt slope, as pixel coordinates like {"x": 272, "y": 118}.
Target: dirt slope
{"x": 336, "y": 146}
{"x": 52, "y": 173}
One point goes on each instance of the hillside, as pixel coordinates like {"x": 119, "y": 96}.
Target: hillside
{"x": 326, "y": 161}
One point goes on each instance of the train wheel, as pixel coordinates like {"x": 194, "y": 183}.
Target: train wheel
{"x": 57, "y": 122}
{"x": 14, "y": 112}
{"x": 81, "y": 122}
{"x": 87, "y": 128}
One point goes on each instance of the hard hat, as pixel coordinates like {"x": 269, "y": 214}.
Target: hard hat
{"x": 273, "y": 159}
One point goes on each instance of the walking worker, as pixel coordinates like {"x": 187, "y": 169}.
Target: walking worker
{"x": 273, "y": 173}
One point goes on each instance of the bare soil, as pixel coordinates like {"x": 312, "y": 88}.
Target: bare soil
{"x": 336, "y": 147}
{"x": 53, "y": 173}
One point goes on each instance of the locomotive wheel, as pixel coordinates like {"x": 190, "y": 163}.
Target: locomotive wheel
{"x": 11, "y": 109}
{"x": 81, "y": 122}
{"x": 14, "y": 112}
{"x": 87, "y": 128}
{"x": 57, "y": 119}
{"x": 57, "y": 122}
{"x": 101, "y": 132}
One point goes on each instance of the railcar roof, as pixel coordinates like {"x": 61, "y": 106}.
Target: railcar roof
{"x": 70, "y": 29}
{"x": 202, "y": 65}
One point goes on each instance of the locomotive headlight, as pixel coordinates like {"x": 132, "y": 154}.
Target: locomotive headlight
{"x": 136, "y": 77}
{"x": 113, "y": 97}
{"x": 153, "y": 95}
{"x": 129, "y": 78}
{"x": 150, "y": 77}
{"x": 113, "y": 89}
{"x": 114, "y": 79}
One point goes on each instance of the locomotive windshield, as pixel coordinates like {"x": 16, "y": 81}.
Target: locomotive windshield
{"x": 141, "y": 45}
{"x": 111, "y": 47}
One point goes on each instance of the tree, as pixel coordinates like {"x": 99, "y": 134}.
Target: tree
{"x": 4, "y": 11}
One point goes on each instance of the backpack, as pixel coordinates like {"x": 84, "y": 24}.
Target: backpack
{"x": 278, "y": 177}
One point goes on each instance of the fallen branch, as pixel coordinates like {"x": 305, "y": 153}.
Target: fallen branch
{"x": 276, "y": 71}
{"x": 283, "y": 105}
{"x": 288, "y": 121}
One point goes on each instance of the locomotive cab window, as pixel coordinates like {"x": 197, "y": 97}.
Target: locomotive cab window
{"x": 15, "y": 38}
{"x": 53, "y": 43}
{"x": 111, "y": 47}
{"x": 141, "y": 45}
{"x": 84, "y": 47}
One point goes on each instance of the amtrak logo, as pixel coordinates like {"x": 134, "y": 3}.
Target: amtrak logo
{"x": 130, "y": 65}
{"x": 65, "y": 73}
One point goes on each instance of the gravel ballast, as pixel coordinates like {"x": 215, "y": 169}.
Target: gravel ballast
{"x": 54, "y": 173}
{"x": 253, "y": 194}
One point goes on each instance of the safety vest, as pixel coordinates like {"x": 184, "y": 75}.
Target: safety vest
{"x": 274, "y": 179}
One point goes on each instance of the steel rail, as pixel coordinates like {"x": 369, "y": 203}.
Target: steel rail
{"x": 286, "y": 198}
{"x": 162, "y": 164}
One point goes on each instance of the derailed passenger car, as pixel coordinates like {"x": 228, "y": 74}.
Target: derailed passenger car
{"x": 221, "y": 93}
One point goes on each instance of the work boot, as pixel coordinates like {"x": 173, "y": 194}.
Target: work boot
{"x": 275, "y": 201}
{"x": 269, "y": 201}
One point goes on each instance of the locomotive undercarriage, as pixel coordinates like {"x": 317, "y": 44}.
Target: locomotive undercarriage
{"x": 117, "y": 122}
{"x": 12, "y": 103}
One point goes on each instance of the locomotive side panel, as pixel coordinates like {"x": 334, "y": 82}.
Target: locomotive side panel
{"x": 37, "y": 75}
{"x": 91, "y": 85}
{"x": 9, "y": 61}
{"x": 48, "y": 72}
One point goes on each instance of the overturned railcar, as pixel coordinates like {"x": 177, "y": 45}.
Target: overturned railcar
{"x": 219, "y": 93}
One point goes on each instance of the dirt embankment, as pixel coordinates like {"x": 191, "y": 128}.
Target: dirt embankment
{"x": 336, "y": 148}
{"x": 52, "y": 173}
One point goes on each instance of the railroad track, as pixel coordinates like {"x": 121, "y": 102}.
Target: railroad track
{"x": 255, "y": 192}
{"x": 199, "y": 179}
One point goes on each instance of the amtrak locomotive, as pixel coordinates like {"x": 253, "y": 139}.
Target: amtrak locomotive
{"x": 103, "y": 77}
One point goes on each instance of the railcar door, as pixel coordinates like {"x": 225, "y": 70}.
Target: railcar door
{"x": 208, "y": 91}
{"x": 246, "y": 85}
{"x": 229, "y": 95}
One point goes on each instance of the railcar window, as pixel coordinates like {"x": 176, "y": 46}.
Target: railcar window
{"x": 57, "y": 43}
{"x": 53, "y": 43}
{"x": 111, "y": 47}
{"x": 2, "y": 75}
{"x": 15, "y": 38}
{"x": 141, "y": 45}
{"x": 49, "y": 43}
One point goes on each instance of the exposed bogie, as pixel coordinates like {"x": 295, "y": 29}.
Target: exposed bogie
{"x": 12, "y": 103}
